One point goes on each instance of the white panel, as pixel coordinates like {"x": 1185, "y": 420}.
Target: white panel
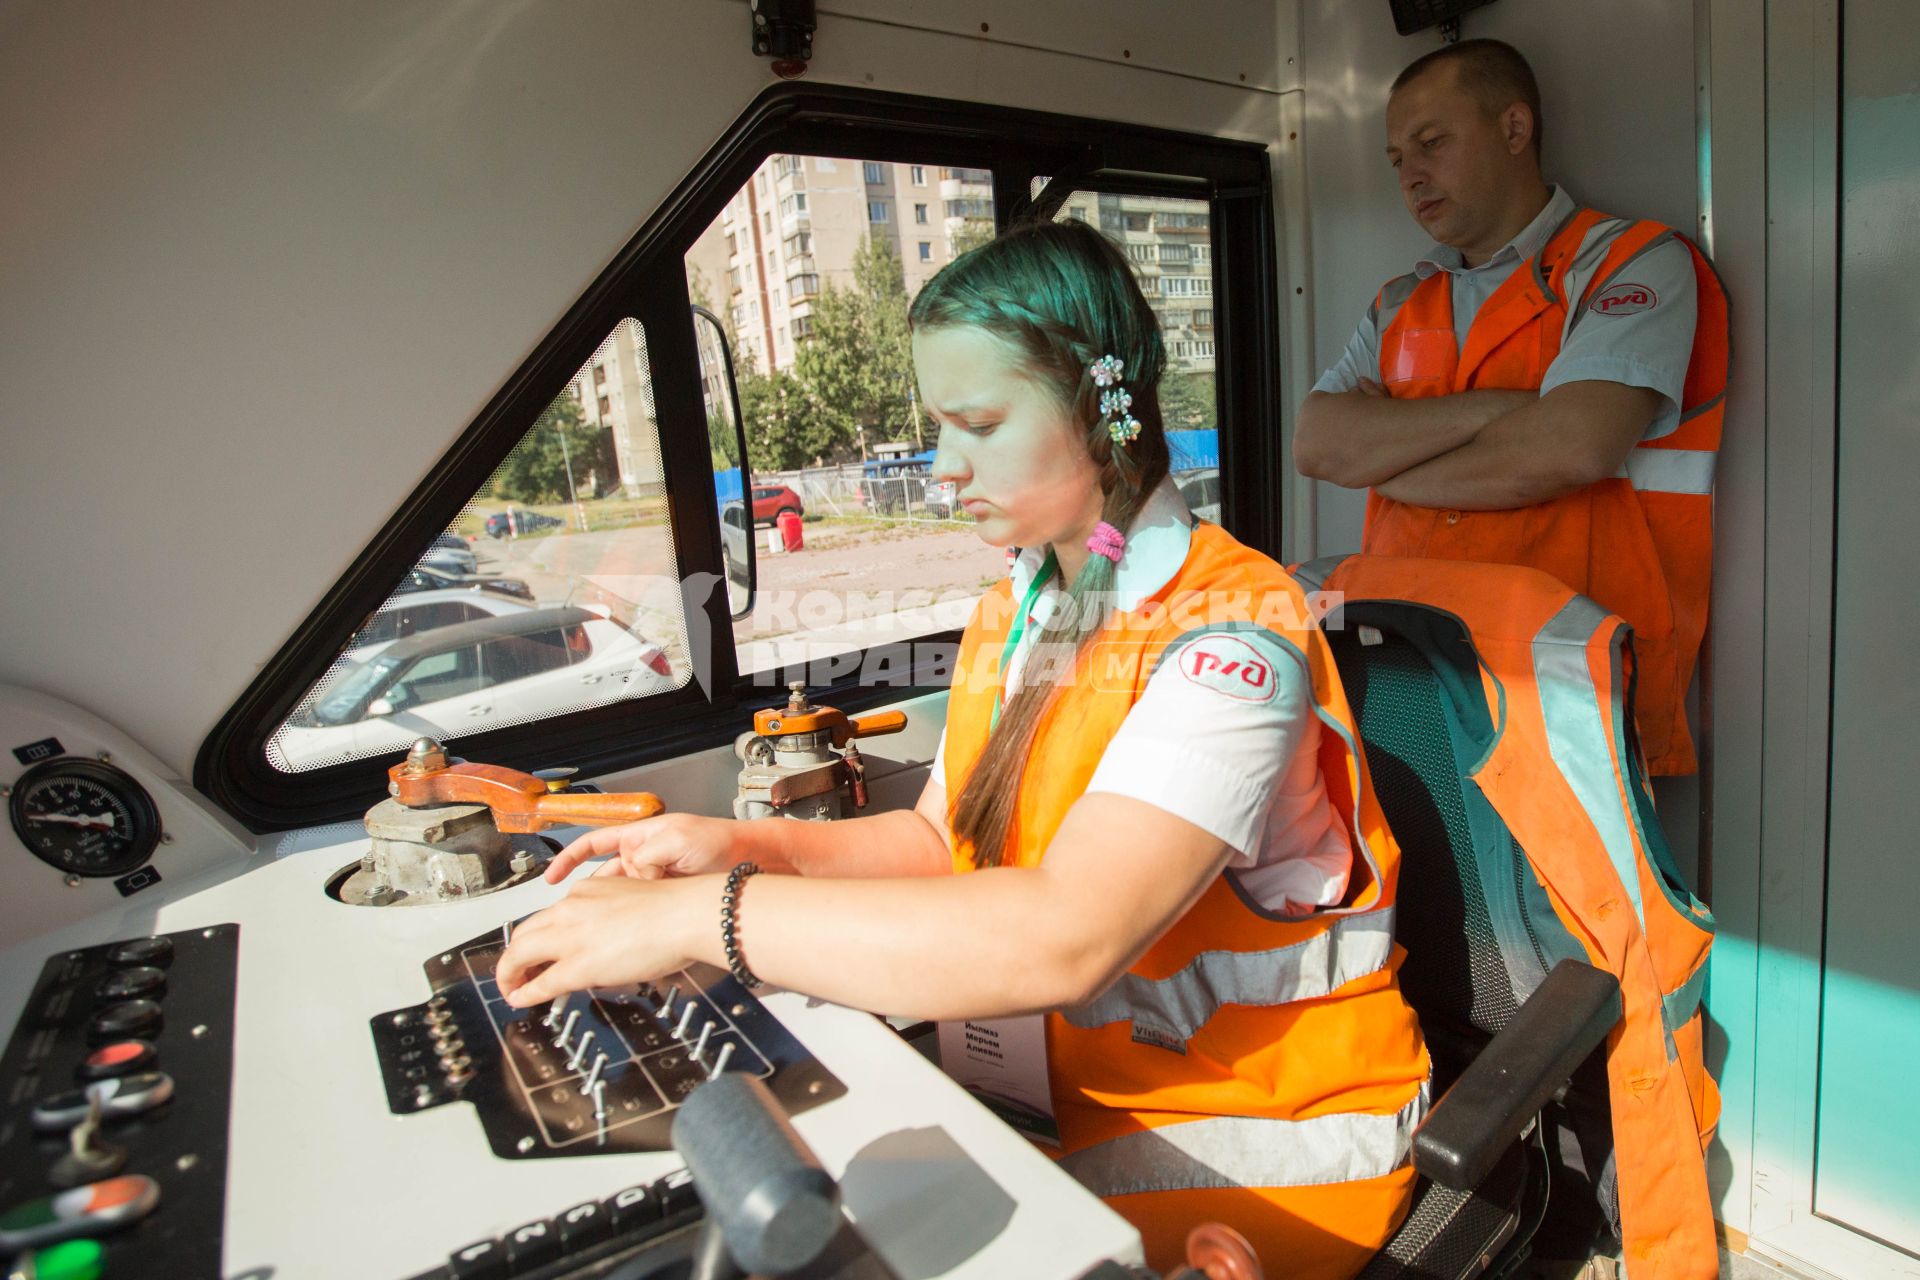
{"x": 1617, "y": 102}
{"x": 315, "y": 1147}
{"x": 1232, "y": 41}
{"x": 264, "y": 263}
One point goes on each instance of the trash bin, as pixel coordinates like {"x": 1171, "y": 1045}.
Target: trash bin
{"x": 791, "y": 538}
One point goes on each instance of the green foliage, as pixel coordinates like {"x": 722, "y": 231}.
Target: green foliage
{"x": 787, "y": 425}
{"x": 721, "y": 442}
{"x": 537, "y": 469}
{"x": 973, "y": 233}
{"x": 1186, "y": 400}
{"x": 858, "y": 363}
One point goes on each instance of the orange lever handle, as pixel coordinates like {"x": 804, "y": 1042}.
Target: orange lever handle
{"x": 520, "y": 802}
{"x": 870, "y": 726}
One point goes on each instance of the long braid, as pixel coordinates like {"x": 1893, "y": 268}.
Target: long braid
{"x": 1063, "y": 296}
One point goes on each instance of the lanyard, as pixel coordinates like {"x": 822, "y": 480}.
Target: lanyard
{"x": 1038, "y": 585}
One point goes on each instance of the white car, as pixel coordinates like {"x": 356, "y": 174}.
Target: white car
{"x": 468, "y": 677}
{"x": 451, "y": 554}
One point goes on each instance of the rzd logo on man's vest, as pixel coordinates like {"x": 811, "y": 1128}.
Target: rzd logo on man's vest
{"x": 1624, "y": 300}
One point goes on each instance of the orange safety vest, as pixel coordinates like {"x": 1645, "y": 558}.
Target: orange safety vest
{"x": 1561, "y": 775}
{"x": 1244, "y": 1050}
{"x": 1642, "y": 543}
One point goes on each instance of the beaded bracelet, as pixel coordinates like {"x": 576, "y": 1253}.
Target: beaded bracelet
{"x": 729, "y": 899}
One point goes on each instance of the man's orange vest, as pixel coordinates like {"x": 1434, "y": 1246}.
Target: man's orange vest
{"x": 1640, "y": 544}
{"x": 1560, "y": 776}
{"x": 1244, "y": 1049}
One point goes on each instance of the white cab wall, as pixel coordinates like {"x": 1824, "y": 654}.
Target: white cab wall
{"x": 265, "y": 262}
{"x": 1617, "y": 97}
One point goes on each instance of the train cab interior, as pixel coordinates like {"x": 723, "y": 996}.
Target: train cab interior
{"x": 435, "y": 430}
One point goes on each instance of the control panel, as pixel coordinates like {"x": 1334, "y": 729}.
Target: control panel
{"x": 595, "y": 1072}
{"x": 113, "y": 1142}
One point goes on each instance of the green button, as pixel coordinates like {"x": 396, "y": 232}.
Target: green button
{"x": 73, "y": 1260}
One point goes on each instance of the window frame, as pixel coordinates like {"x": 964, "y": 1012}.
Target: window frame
{"x": 646, "y": 280}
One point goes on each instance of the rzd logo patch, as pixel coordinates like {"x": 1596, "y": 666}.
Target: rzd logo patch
{"x": 1230, "y": 666}
{"x": 1624, "y": 300}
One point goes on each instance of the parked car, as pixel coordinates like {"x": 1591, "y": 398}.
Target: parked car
{"x": 770, "y": 500}
{"x": 412, "y": 612}
{"x": 460, "y": 679}
{"x": 890, "y": 485}
{"x": 734, "y": 537}
{"x": 515, "y": 521}
{"x": 942, "y": 499}
{"x": 1201, "y": 489}
{"x": 426, "y": 578}
{"x": 451, "y": 554}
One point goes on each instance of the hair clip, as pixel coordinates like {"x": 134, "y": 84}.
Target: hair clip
{"x": 1116, "y": 402}
{"x": 1107, "y": 541}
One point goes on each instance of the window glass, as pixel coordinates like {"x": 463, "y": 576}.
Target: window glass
{"x": 835, "y": 435}
{"x": 1169, "y": 243}
{"x": 570, "y": 531}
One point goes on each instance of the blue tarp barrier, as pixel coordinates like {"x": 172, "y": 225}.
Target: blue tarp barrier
{"x": 1191, "y": 449}
{"x": 726, "y": 485}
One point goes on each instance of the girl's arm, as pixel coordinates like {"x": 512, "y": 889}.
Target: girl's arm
{"x": 905, "y": 842}
{"x": 996, "y": 942}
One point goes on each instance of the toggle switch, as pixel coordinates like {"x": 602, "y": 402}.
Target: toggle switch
{"x": 119, "y": 1096}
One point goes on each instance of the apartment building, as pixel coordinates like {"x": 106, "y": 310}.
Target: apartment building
{"x": 615, "y": 391}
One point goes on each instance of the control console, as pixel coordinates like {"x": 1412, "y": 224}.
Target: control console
{"x": 113, "y": 1140}
{"x": 600, "y": 1071}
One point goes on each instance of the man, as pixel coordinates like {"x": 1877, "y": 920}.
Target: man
{"x": 1545, "y": 388}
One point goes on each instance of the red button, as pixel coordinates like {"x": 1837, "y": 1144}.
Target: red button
{"x": 122, "y": 1057}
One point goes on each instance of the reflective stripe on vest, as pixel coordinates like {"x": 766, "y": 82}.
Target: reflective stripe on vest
{"x": 1577, "y": 737}
{"x": 1243, "y": 1151}
{"x": 1182, "y": 1003}
{"x": 1652, "y": 470}
{"x": 1681, "y": 1002}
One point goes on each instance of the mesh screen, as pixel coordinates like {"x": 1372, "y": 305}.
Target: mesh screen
{"x": 1449, "y": 1234}
{"x": 1453, "y": 970}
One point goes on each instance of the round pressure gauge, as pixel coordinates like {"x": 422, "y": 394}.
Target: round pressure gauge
{"x": 84, "y": 816}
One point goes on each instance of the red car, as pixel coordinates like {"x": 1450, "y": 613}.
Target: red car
{"x": 772, "y": 499}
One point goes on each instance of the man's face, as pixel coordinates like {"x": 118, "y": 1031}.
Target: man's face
{"x": 1458, "y": 166}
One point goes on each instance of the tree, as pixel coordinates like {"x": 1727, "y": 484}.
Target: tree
{"x": 787, "y": 426}
{"x": 973, "y": 233}
{"x": 537, "y": 469}
{"x": 722, "y": 443}
{"x": 858, "y": 363}
{"x": 1186, "y": 401}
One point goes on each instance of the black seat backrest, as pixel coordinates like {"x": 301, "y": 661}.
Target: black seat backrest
{"x": 1476, "y": 924}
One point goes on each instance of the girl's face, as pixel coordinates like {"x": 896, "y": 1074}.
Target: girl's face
{"x": 1018, "y": 462}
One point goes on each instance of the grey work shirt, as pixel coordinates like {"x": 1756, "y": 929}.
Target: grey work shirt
{"x": 1646, "y": 347}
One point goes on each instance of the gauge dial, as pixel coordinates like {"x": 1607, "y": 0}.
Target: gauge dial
{"x": 83, "y": 816}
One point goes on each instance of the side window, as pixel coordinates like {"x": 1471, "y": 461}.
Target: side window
{"x": 434, "y": 677}
{"x": 828, "y": 396}
{"x": 1169, "y": 243}
{"x": 516, "y": 657}
{"x": 576, "y": 516}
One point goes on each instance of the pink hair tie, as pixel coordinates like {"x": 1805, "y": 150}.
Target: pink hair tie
{"x": 1107, "y": 541}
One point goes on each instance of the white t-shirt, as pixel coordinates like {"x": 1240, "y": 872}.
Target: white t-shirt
{"x": 1225, "y": 734}
{"x": 1646, "y": 344}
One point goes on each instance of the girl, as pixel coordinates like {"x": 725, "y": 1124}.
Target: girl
{"x": 1138, "y": 827}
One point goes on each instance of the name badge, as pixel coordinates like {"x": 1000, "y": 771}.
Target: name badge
{"x": 1002, "y": 1062}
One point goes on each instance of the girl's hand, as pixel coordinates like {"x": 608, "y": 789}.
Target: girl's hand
{"x": 609, "y": 931}
{"x": 673, "y": 844}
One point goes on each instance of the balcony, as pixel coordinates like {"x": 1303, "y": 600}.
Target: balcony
{"x": 800, "y": 265}
{"x": 1182, "y": 223}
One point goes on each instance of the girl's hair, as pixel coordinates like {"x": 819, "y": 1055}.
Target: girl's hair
{"x": 1060, "y": 295}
